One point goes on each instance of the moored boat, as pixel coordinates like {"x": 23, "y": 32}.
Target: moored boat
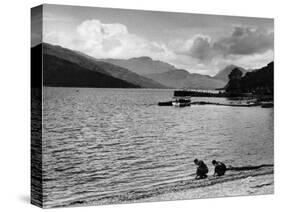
{"x": 181, "y": 98}
{"x": 181, "y": 101}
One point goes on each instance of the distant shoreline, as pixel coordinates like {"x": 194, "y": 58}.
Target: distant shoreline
{"x": 192, "y": 93}
{"x": 50, "y": 86}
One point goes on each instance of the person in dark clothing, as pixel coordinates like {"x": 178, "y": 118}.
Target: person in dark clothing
{"x": 202, "y": 169}
{"x": 220, "y": 168}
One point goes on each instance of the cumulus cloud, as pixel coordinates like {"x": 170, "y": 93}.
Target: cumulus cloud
{"x": 243, "y": 41}
{"x": 246, "y": 41}
{"x": 201, "y": 48}
{"x": 108, "y": 40}
{"x": 244, "y": 46}
{"x": 198, "y": 47}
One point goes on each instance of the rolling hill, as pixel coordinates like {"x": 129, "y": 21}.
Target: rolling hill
{"x": 139, "y": 72}
{"x": 170, "y": 76}
{"x": 142, "y": 65}
{"x": 180, "y": 78}
{"x": 91, "y": 64}
{"x": 62, "y": 73}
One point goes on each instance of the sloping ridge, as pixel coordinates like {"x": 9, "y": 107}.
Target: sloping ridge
{"x": 167, "y": 74}
{"x": 60, "y": 72}
{"x": 93, "y": 64}
{"x": 180, "y": 78}
{"x": 142, "y": 65}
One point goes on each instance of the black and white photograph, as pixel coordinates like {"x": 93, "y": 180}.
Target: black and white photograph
{"x": 131, "y": 106}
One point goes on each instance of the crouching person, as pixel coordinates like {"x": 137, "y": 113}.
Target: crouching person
{"x": 202, "y": 169}
{"x": 220, "y": 168}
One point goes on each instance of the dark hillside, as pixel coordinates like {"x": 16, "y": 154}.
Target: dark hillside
{"x": 62, "y": 73}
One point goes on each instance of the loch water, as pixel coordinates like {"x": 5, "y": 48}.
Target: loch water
{"x": 101, "y": 142}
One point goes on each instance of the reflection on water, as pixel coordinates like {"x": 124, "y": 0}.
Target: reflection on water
{"x": 97, "y": 142}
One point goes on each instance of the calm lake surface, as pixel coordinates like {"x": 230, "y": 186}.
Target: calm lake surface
{"x": 99, "y": 142}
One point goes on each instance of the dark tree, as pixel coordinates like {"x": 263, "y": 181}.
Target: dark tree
{"x": 259, "y": 81}
{"x": 234, "y": 83}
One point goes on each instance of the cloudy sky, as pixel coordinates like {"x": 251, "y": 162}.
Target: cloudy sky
{"x": 198, "y": 43}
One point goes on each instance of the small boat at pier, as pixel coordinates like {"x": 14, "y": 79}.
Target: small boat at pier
{"x": 181, "y": 102}
{"x": 180, "y": 99}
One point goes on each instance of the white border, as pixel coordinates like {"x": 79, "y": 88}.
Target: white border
{"x": 15, "y": 102}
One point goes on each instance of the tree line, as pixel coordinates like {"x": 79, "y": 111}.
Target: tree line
{"x": 259, "y": 81}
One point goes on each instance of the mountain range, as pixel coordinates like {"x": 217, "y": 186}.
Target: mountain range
{"x": 142, "y": 65}
{"x": 66, "y": 62}
{"x": 179, "y": 78}
{"x": 65, "y": 67}
{"x": 169, "y": 75}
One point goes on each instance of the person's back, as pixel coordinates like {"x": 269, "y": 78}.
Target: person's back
{"x": 220, "y": 168}
{"x": 202, "y": 169}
